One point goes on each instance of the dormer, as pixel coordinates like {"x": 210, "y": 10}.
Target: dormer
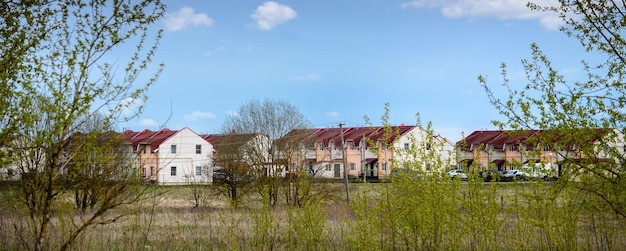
{"x": 320, "y": 145}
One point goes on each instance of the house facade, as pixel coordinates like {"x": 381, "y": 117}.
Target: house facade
{"x": 505, "y": 150}
{"x": 368, "y": 151}
{"x": 170, "y": 157}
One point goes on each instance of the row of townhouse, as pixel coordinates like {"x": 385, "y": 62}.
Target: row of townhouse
{"x": 505, "y": 150}
{"x": 182, "y": 156}
{"x": 364, "y": 151}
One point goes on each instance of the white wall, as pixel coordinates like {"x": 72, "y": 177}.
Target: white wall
{"x": 185, "y": 159}
{"x": 443, "y": 150}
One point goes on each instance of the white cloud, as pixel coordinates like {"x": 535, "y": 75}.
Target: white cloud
{"x": 199, "y": 115}
{"x": 147, "y": 123}
{"x": 270, "y": 14}
{"x": 186, "y": 17}
{"x": 333, "y": 114}
{"x": 312, "y": 77}
{"x": 501, "y": 9}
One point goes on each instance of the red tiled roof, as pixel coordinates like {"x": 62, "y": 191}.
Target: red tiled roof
{"x": 147, "y": 137}
{"x": 231, "y": 139}
{"x": 353, "y": 134}
{"x": 501, "y": 138}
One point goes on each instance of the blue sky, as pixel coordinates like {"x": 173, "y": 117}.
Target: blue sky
{"x": 337, "y": 61}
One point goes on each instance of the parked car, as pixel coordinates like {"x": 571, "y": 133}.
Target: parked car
{"x": 489, "y": 175}
{"x": 536, "y": 171}
{"x": 513, "y": 174}
{"x": 457, "y": 174}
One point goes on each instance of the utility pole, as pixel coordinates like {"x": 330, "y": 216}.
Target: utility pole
{"x": 363, "y": 163}
{"x": 345, "y": 169}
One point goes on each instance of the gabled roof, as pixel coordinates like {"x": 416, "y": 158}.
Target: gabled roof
{"x": 501, "y": 138}
{"x": 148, "y": 137}
{"x": 109, "y": 137}
{"x": 350, "y": 134}
{"x": 219, "y": 140}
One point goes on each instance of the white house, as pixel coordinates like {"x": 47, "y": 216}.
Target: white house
{"x": 170, "y": 157}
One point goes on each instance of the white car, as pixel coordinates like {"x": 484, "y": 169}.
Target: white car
{"x": 511, "y": 174}
{"x": 458, "y": 173}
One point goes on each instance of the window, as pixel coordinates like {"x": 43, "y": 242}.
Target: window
{"x": 321, "y": 146}
{"x": 328, "y": 167}
{"x": 427, "y": 146}
{"x": 384, "y": 167}
{"x": 173, "y": 149}
{"x": 144, "y": 149}
{"x": 198, "y": 149}
{"x": 352, "y": 146}
{"x": 512, "y": 148}
{"x": 352, "y": 166}
{"x": 384, "y": 146}
{"x": 198, "y": 171}
{"x": 143, "y": 172}
{"x": 546, "y": 148}
{"x": 406, "y": 146}
{"x": 152, "y": 171}
{"x": 173, "y": 171}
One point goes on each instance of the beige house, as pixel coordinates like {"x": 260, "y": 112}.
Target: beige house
{"x": 505, "y": 150}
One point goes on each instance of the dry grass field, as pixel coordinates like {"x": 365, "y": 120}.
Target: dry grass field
{"x": 501, "y": 220}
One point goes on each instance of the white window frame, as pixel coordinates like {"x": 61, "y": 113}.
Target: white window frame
{"x": 173, "y": 149}
{"x": 173, "y": 171}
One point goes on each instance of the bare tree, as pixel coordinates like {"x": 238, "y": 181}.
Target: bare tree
{"x": 302, "y": 185}
{"x": 232, "y": 174}
{"x": 273, "y": 119}
{"x": 198, "y": 184}
{"x": 99, "y": 164}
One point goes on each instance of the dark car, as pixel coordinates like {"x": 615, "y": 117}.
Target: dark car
{"x": 489, "y": 175}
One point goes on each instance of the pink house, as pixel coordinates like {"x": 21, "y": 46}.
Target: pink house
{"x": 367, "y": 150}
